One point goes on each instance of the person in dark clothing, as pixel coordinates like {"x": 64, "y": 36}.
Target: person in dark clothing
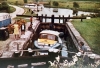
{"x": 23, "y": 28}
{"x": 83, "y": 48}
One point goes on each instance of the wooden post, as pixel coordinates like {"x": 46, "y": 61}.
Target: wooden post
{"x": 37, "y": 15}
{"x": 63, "y": 19}
{"x": 59, "y": 18}
{"x": 81, "y": 20}
{"x": 41, "y": 18}
{"x": 66, "y": 20}
{"x": 45, "y": 17}
{"x": 52, "y": 22}
{"x": 52, "y": 19}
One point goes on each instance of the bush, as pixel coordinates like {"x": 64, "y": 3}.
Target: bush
{"x": 4, "y": 3}
{"x": 75, "y": 5}
{"x": 25, "y": 1}
{"x": 75, "y": 11}
{"x": 4, "y": 7}
{"x": 0, "y": 6}
{"x": 55, "y": 3}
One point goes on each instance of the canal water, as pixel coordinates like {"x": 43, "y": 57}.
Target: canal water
{"x": 62, "y": 12}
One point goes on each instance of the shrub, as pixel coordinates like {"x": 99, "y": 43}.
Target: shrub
{"x": 75, "y": 5}
{"x": 55, "y": 3}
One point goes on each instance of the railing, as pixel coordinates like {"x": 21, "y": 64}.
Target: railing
{"x": 65, "y": 19}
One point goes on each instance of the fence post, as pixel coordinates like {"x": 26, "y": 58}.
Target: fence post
{"x": 45, "y": 17}
{"x": 52, "y": 19}
{"x": 66, "y": 20}
{"x": 37, "y": 15}
{"x": 59, "y": 18}
{"x": 52, "y": 22}
{"x": 63, "y": 19}
{"x": 81, "y": 20}
{"x": 41, "y": 18}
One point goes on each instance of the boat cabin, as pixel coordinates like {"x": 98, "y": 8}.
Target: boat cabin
{"x": 48, "y": 39}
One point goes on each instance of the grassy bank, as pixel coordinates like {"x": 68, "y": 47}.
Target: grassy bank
{"x": 90, "y": 31}
{"x": 12, "y": 9}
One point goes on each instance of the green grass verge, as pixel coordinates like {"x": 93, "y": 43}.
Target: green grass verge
{"x": 90, "y": 31}
{"x": 12, "y": 9}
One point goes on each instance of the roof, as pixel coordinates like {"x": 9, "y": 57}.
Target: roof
{"x": 4, "y": 16}
{"x": 50, "y": 32}
{"x": 31, "y": 4}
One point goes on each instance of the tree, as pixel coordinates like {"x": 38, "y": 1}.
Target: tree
{"x": 75, "y": 10}
{"x": 55, "y": 3}
{"x": 25, "y": 1}
{"x": 5, "y": 6}
{"x": 97, "y": 5}
{"x": 36, "y": 0}
{"x": 4, "y": 3}
{"x": 75, "y": 5}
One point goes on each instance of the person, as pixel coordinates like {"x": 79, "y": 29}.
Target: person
{"x": 31, "y": 19}
{"x": 23, "y": 27}
{"x": 16, "y": 30}
{"x": 84, "y": 56}
{"x": 82, "y": 46}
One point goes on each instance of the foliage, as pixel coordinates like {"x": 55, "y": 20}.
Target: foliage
{"x": 36, "y": 0}
{"x": 5, "y": 6}
{"x": 80, "y": 64}
{"x": 75, "y": 11}
{"x": 55, "y": 3}
{"x": 4, "y": 3}
{"x": 16, "y": 3}
{"x": 75, "y": 5}
{"x": 25, "y": 1}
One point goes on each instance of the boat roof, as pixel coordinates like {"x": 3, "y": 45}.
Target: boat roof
{"x": 34, "y": 4}
{"x": 50, "y": 32}
{"x": 3, "y": 14}
{"x": 31, "y": 4}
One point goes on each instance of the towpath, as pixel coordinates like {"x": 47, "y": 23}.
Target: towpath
{"x": 13, "y": 15}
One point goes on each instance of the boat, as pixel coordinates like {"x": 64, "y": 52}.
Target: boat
{"x": 5, "y": 19}
{"x": 55, "y": 10}
{"x": 35, "y": 7}
{"x": 48, "y": 39}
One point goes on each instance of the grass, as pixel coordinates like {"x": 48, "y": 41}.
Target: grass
{"x": 12, "y": 9}
{"x": 90, "y": 31}
{"x": 14, "y": 1}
